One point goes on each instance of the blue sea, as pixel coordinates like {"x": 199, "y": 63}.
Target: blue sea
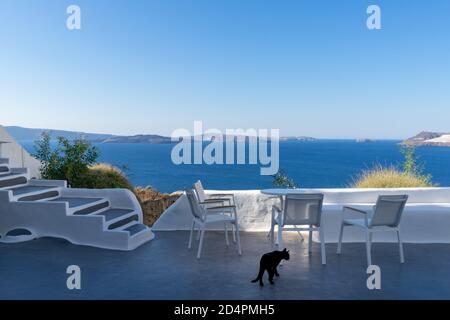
{"x": 322, "y": 163}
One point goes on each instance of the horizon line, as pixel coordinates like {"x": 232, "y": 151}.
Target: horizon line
{"x": 168, "y": 136}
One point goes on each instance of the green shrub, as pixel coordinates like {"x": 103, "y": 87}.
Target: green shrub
{"x": 105, "y": 176}
{"x": 281, "y": 179}
{"x": 381, "y": 177}
{"x": 69, "y": 160}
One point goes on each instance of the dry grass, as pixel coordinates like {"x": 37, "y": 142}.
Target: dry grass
{"x": 381, "y": 177}
{"x": 102, "y": 175}
{"x": 106, "y": 167}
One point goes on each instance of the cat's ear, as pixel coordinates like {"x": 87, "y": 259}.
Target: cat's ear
{"x": 285, "y": 250}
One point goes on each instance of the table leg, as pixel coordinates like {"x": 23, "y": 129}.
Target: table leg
{"x": 279, "y": 227}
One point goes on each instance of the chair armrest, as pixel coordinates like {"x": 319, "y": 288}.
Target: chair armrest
{"x": 210, "y": 201}
{"x": 392, "y": 201}
{"x": 221, "y": 207}
{"x": 221, "y": 195}
{"x": 355, "y": 210}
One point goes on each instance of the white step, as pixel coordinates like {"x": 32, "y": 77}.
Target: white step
{"x": 136, "y": 228}
{"x": 11, "y": 175}
{"x": 13, "y": 180}
{"x": 140, "y": 238}
{"x": 35, "y": 193}
{"x": 114, "y": 215}
{"x": 83, "y": 206}
{"x": 124, "y": 223}
{"x": 4, "y": 169}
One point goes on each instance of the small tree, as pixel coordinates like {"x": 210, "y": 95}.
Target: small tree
{"x": 281, "y": 179}
{"x": 411, "y": 163}
{"x": 50, "y": 160}
{"x": 69, "y": 160}
{"x": 410, "y": 159}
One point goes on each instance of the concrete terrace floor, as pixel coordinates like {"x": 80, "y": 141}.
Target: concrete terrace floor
{"x": 165, "y": 269}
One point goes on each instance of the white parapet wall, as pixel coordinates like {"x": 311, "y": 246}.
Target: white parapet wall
{"x": 17, "y": 155}
{"x": 426, "y": 218}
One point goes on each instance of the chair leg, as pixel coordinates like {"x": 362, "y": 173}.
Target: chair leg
{"x": 198, "y": 234}
{"x": 233, "y": 226}
{"x": 202, "y": 234}
{"x": 233, "y": 231}
{"x": 278, "y": 231}
{"x": 238, "y": 238}
{"x": 400, "y": 247}
{"x": 322, "y": 245}
{"x": 191, "y": 234}
{"x": 310, "y": 241}
{"x": 280, "y": 237}
{"x": 226, "y": 233}
{"x": 272, "y": 234}
{"x": 368, "y": 247}
{"x": 341, "y": 234}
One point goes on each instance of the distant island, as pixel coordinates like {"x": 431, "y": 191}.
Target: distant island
{"x": 427, "y": 138}
{"x": 365, "y": 140}
{"x": 31, "y": 134}
{"x": 300, "y": 138}
{"x": 139, "y": 138}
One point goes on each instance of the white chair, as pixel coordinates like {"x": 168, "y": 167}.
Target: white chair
{"x": 386, "y": 217}
{"x": 214, "y": 199}
{"x": 226, "y": 198}
{"x": 203, "y": 216}
{"x": 299, "y": 210}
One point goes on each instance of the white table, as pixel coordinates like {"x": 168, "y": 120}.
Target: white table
{"x": 281, "y": 193}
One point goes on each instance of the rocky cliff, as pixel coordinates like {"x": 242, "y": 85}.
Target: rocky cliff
{"x": 427, "y": 138}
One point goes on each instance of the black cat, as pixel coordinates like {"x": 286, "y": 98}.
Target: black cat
{"x": 270, "y": 262}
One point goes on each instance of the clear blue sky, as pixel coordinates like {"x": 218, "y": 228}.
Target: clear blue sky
{"x": 151, "y": 66}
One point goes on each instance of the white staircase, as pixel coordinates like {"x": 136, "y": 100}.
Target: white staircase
{"x": 105, "y": 218}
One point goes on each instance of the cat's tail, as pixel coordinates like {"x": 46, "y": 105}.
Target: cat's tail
{"x": 260, "y": 274}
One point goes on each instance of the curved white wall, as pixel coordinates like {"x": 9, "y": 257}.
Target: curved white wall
{"x": 426, "y": 218}
{"x": 17, "y": 155}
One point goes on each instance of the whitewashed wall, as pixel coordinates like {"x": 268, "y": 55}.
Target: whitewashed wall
{"x": 18, "y": 156}
{"x": 426, "y": 218}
